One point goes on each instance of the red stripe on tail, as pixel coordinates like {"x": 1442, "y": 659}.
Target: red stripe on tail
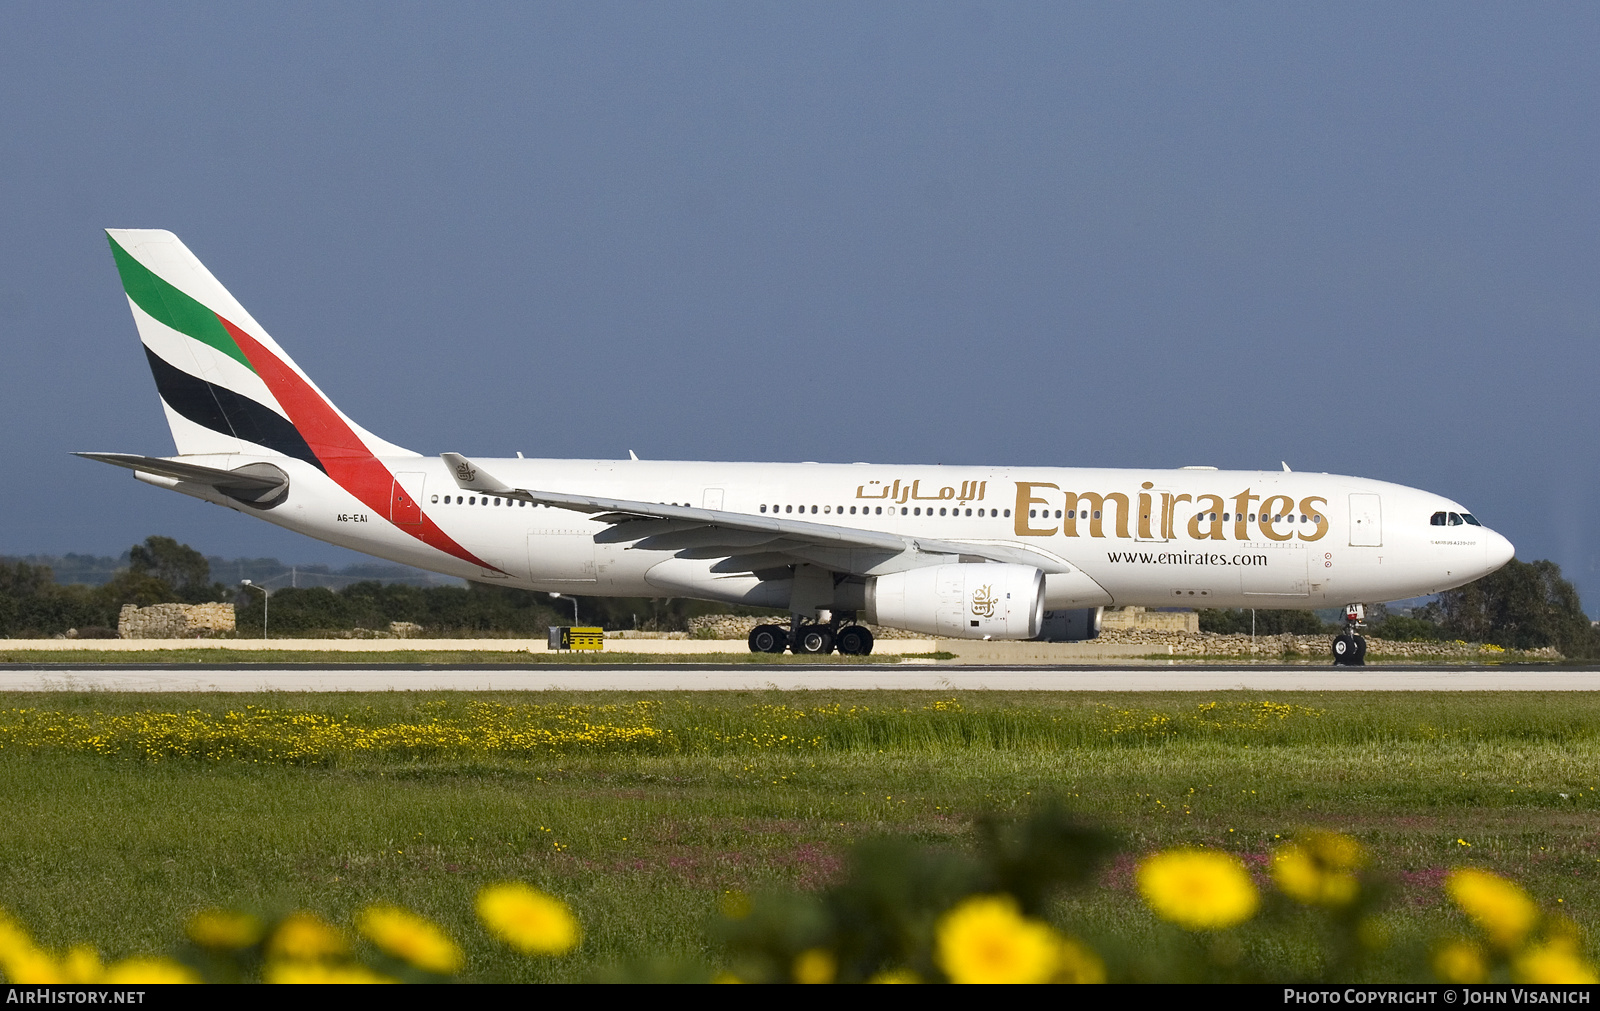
{"x": 345, "y": 457}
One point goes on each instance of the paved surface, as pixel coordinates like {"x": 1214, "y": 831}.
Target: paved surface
{"x": 679, "y": 677}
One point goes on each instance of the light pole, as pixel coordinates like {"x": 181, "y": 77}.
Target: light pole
{"x": 266, "y": 598}
{"x": 557, "y": 596}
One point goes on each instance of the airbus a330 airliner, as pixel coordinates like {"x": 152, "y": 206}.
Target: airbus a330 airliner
{"x": 962, "y": 552}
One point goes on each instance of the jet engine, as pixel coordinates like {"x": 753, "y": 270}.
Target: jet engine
{"x": 961, "y": 601}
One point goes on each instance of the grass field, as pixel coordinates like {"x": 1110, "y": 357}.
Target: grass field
{"x": 121, "y": 814}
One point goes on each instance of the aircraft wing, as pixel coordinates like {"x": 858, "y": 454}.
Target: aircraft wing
{"x": 741, "y": 537}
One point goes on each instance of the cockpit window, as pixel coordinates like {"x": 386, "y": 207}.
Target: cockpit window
{"x": 1455, "y": 519}
{"x": 1437, "y": 519}
{"x": 1471, "y": 519}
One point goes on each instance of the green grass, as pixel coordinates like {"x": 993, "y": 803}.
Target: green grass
{"x": 752, "y": 790}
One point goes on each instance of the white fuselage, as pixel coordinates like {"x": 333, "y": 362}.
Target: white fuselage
{"x": 1192, "y": 537}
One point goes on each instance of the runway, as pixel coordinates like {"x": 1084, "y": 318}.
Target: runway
{"x": 679, "y": 677}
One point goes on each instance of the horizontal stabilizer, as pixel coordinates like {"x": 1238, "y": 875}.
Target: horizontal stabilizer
{"x": 260, "y": 484}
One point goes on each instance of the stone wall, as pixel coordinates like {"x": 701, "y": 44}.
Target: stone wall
{"x": 396, "y": 630}
{"x": 1217, "y": 644}
{"x": 175, "y": 621}
{"x": 1138, "y": 617}
{"x": 731, "y": 626}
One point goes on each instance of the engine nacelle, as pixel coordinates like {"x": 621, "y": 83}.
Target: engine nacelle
{"x": 980, "y": 600}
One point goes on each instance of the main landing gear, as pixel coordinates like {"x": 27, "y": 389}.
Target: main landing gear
{"x": 1350, "y": 649}
{"x": 812, "y": 638}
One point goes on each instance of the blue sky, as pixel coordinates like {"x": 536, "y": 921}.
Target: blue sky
{"x": 1359, "y": 238}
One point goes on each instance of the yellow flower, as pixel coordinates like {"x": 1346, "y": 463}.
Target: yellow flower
{"x": 1500, "y": 908}
{"x": 1197, "y": 889}
{"x": 1460, "y": 962}
{"x": 735, "y": 905}
{"x": 815, "y": 965}
{"x": 81, "y": 965}
{"x": 1553, "y": 962}
{"x": 987, "y": 940}
{"x": 32, "y": 965}
{"x": 12, "y": 936}
{"x": 895, "y": 976}
{"x": 149, "y": 969}
{"x": 306, "y": 937}
{"x": 1319, "y": 869}
{"x": 1077, "y": 963}
{"x": 21, "y": 960}
{"x": 528, "y": 920}
{"x": 410, "y": 938}
{"x": 224, "y": 929}
{"x": 319, "y": 972}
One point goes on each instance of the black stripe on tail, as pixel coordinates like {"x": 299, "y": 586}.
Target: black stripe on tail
{"x": 226, "y": 412}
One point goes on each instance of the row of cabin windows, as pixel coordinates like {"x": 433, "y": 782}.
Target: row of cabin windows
{"x": 1439, "y": 519}
{"x": 484, "y": 500}
{"x": 1444, "y": 519}
{"x": 1083, "y": 514}
{"x": 476, "y": 500}
{"x": 878, "y": 510}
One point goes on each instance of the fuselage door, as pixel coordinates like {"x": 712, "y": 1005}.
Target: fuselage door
{"x": 713, "y": 499}
{"x": 1366, "y": 521}
{"x": 1154, "y": 509}
{"x": 405, "y": 500}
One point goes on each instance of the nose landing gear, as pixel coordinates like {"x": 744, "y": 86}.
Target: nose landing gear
{"x": 1349, "y": 648}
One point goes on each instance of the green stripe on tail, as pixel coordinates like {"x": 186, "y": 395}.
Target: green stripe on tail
{"x": 172, "y": 307}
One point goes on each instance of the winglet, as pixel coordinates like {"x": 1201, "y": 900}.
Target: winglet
{"x": 1285, "y": 467}
{"x": 471, "y": 477}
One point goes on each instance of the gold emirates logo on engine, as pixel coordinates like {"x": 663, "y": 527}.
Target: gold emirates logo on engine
{"x": 983, "y": 602}
{"x": 1210, "y": 517}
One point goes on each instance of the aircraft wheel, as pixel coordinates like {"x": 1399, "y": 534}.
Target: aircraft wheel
{"x": 1360, "y": 659}
{"x": 1344, "y": 651}
{"x": 813, "y": 639}
{"x": 855, "y": 641}
{"x": 768, "y": 639}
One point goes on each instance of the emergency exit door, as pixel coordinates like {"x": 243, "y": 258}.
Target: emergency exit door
{"x": 405, "y": 500}
{"x": 1366, "y": 521}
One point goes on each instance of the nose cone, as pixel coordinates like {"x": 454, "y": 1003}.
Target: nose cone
{"x": 1498, "y": 551}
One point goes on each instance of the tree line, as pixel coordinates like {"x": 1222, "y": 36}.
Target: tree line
{"x": 161, "y": 570}
{"x": 1525, "y": 605}
{"x": 33, "y": 604}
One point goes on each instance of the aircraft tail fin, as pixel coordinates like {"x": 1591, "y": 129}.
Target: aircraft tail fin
{"x": 226, "y": 385}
